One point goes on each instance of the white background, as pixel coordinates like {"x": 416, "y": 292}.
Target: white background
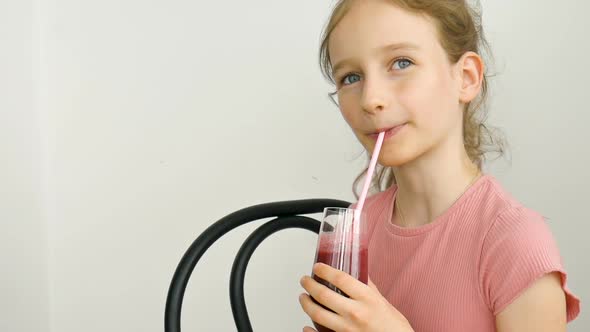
{"x": 127, "y": 127}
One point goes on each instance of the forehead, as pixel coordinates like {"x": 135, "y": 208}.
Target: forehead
{"x": 370, "y": 25}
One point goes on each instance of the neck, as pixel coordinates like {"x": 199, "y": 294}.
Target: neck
{"x": 429, "y": 185}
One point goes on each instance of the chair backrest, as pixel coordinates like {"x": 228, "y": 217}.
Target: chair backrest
{"x": 288, "y": 215}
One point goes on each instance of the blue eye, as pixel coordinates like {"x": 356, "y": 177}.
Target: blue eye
{"x": 399, "y": 64}
{"x": 350, "y": 79}
{"x": 402, "y": 63}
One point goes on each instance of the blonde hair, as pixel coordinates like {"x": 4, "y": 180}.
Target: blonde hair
{"x": 460, "y": 31}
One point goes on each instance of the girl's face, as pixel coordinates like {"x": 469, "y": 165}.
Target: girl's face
{"x": 391, "y": 72}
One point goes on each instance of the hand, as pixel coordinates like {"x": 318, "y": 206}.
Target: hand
{"x": 365, "y": 310}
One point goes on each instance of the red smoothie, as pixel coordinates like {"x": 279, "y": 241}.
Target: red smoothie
{"x": 354, "y": 262}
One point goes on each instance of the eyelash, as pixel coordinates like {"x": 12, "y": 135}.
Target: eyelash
{"x": 394, "y": 62}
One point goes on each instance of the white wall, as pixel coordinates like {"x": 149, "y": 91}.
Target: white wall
{"x": 23, "y": 237}
{"x": 167, "y": 116}
{"x": 160, "y": 117}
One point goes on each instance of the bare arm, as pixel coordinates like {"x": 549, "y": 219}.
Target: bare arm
{"x": 540, "y": 308}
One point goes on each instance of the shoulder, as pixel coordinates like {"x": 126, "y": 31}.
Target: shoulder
{"x": 509, "y": 230}
{"x": 518, "y": 248}
{"x": 495, "y": 210}
{"x": 506, "y": 216}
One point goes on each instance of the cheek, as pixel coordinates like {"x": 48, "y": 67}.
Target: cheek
{"x": 430, "y": 100}
{"x": 351, "y": 115}
{"x": 358, "y": 123}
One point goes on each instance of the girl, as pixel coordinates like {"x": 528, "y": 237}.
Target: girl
{"x": 449, "y": 248}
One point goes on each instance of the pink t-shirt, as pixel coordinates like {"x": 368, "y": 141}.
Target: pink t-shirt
{"x": 458, "y": 272}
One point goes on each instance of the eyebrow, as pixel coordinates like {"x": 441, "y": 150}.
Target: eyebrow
{"x": 383, "y": 49}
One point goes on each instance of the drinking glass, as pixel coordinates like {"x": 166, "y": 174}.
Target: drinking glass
{"x": 342, "y": 244}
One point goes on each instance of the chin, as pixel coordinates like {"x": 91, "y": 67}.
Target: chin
{"x": 396, "y": 154}
{"x": 396, "y": 161}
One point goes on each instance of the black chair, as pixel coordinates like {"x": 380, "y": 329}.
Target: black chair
{"x": 288, "y": 215}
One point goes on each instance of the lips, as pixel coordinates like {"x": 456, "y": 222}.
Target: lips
{"x": 389, "y": 132}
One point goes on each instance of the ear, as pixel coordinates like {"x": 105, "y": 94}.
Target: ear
{"x": 471, "y": 69}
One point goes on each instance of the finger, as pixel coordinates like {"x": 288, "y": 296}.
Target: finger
{"x": 320, "y": 315}
{"x": 344, "y": 281}
{"x": 326, "y": 296}
{"x": 308, "y": 329}
{"x": 372, "y": 285}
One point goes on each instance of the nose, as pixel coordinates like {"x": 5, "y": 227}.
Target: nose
{"x": 375, "y": 95}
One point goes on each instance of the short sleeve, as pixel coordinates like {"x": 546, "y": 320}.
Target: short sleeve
{"x": 518, "y": 249}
